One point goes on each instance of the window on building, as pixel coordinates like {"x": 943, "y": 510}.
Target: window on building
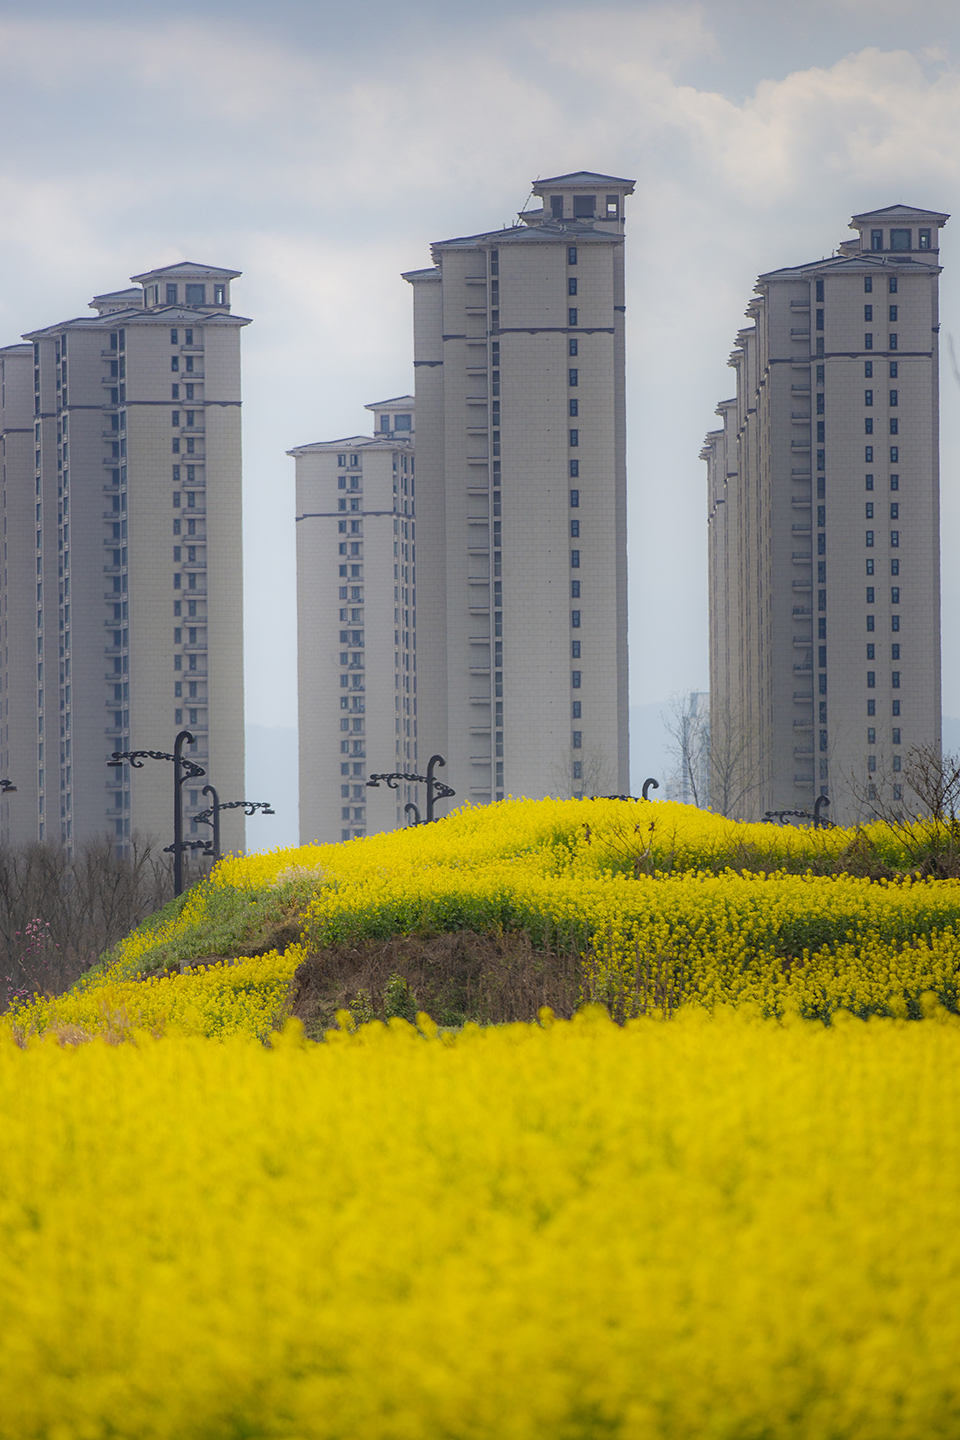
{"x": 574, "y": 527}
{"x": 894, "y": 567}
{"x": 572, "y": 286}
{"x": 174, "y": 362}
{"x": 895, "y": 652}
{"x": 868, "y": 369}
{"x": 876, "y": 239}
{"x": 819, "y": 319}
{"x": 574, "y": 437}
{"x": 574, "y": 469}
{"x": 868, "y": 342}
{"x": 870, "y": 624}
{"x": 891, "y": 342}
{"x": 870, "y": 594}
{"x": 923, "y": 239}
{"x": 868, "y": 397}
{"x": 574, "y": 408}
{"x": 576, "y": 709}
{"x": 896, "y": 707}
{"x": 895, "y": 681}
{"x": 871, "y": 735}
{"x": 893, "y": 312}
{"x": 574, "y": 499}
{"x": 868, "y": 482}
{"x": 871, "y": 681}
{"x": 871, "y": 763}
{"x": 894, "y": 538}
{"x": 575, "y": 589}
{"x": 575, "y": 619}
{"x": 869, "y": 538}
{"x": 868, "y": 283}
{"x": 196, "y": 294}
{"x": 573, "y": 347}
{"x": 578, "y": 739}
{"x": 556, "y": 207}
{"x": 868, "y": 455}
{"x": 868, "y": 425}
{"x": 871, "y": 650}
{"x": 895, "y": 594}
{"x": 575, "y": 559}
{"x": 869, "y": 510}
{"x": 868, "y": 312}
{"x": 894, "y": 510}
{"x": 894, "y": 454}
{"x": 900, "y": 240}
{"x": 575, "y": 649}
{"x": 571, "y": 316}
{"x": 871, "y": 707}
{"x": 573, "y": 377}
{"x": 219, "y": 294}
{"x": 575, "y": 679}
{"x": 584, "y": 206}
{"x": 896, "y": 735}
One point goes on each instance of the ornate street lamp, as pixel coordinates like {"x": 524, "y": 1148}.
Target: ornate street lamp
{"x": 436, "y": 789}
{"x": 211, "y": 816}
{"x": 183, "y": 770}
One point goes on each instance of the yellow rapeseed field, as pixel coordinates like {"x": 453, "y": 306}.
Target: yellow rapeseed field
{"x": 721, "y": 1227}
{"x": 649, "y": 895}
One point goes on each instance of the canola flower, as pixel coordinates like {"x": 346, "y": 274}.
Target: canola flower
{"x": 722, "y": 1227}
{"x": 644, "y": 893}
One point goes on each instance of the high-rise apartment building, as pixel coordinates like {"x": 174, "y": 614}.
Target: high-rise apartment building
{"x": 121, "y": 586}
{"x": 824, "y": 529}
{"x": 356, "y": 609}
{"x": 521, "y": 600}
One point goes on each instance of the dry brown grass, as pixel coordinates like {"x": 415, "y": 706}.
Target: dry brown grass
{"x": 455, "y": 977}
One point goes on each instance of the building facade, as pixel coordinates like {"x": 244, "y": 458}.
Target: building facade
{"x": 521, "y": 472}
{"x": 122, "y": 574}
{"x": 823, "y": 496}
{"x": 356, "y": 619}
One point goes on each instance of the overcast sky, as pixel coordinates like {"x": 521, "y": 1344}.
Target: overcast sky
{"x": 320, "y": 147}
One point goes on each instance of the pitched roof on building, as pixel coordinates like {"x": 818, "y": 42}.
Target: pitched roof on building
{"x": 583, "y": 177}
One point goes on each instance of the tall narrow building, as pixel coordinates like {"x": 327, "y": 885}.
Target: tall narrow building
{"x": 823, "y": 486}
{"x": 356, "y": 618}
{"x": 521, "y": 601}
{"x": 122, "y": 577}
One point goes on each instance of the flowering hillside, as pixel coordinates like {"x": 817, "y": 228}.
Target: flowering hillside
{"x": 660, "y": 904}
{"x": 718, "y": 1218}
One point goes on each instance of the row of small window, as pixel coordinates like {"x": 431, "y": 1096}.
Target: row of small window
{"x": 894, "y": 510}
{"x": 867, "y": 281}
{"x": 894, "y": 680}
{"x": 355, "y": 547}
{"x": 901, "y": 240}
{"x": 893, "y": 342}
{"x": 872, "y": 709}
{"x": 867, "y": 315}
{"x": 868, "y": 427}
{"x": 191, "y": 445}
{"x": 894, "y": 567}
{"x": 872, "y": 764}
{"x": 192, "y": 632}
{"x": 894, "y": 482}
{"x": 872, "y": 735}
{"x": 190, "y": 421}
{"x": 356, "y": 527}
{"x": 193, "y": 717}
{"x": 894, "y": 539}
{"x": 187, "y": 363}
{"x": 188, "y": 392}
{"x": 191, "y": 527}
{"x": 868, "y": 397}
{"x": 868, "y": 455}
{"x": 894, "y": 652}
{"x": 894, "y": 597}
{"x": 894, "y": 626}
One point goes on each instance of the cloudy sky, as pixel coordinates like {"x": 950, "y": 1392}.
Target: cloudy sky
{"x": 320, "y": 145}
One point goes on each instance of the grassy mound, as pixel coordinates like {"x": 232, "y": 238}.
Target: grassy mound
{"x": 643, "y": 907}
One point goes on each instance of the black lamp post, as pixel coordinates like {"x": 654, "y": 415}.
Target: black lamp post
{"x": 436, "y": 789}
{"x": 211, "y": 816}
{"x": 183, "y": 770}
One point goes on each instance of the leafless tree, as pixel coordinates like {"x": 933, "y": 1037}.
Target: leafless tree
{"x": 59, "y": 913}
{"x": 688, "y": 724}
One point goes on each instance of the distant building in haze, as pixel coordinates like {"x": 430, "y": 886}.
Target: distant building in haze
{"x": 824, "y": 528}
{"x": 121, "y": 587}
